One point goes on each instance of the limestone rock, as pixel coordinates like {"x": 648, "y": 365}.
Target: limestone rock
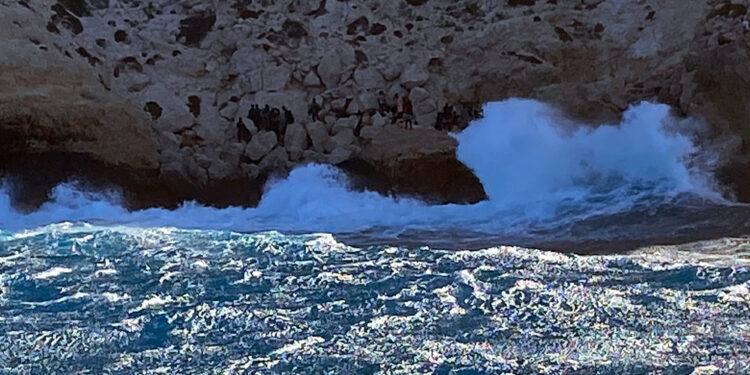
{"x": 368, "y": 78}
{"x": 344, "y": 137}
{"x": 275, "y": 78}
{"x": 314, "y": 157}
{"x": 220, "y": 169}
{"x": 250, "y": 170}
{"x": 318, "y": 135}
{"x": 295, "y": 141}
{"x": 344, "y": 123}
{"x": 115, "y": 84}
{"x": 275, "y": 160}
{"x": 417, "y": 160}
{"x": 336, "y": 63}
{"x": 370, "y": 132}
{"x": 339, "y": 105}
{"x": 229, "y": 111}
{"x": 391, "y": 72}
{"x": 378, "y": 121}
{"x": 311, "y": 80}
{"x": 338, "y": 155}
{"x": 368, "y": 101}
{"x": 413, "y": 76}
{"x": 260, "y": 145}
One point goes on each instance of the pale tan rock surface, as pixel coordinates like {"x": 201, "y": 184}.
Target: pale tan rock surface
{"x": 162, "y": 86}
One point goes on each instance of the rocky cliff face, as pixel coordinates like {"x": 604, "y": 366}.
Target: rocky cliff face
{"x": 158, "y": 88}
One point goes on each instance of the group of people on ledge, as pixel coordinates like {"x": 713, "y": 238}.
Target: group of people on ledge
{"x": 449, "y": 118}
{"x": 400, "y": 111}
{"x": 266, "y": 118}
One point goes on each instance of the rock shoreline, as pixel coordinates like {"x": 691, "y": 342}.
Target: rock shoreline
{"x": 150, "y": 95}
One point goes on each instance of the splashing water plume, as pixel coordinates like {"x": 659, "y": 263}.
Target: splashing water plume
{"x": 538, "y": 172}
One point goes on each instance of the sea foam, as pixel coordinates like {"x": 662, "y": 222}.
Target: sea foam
{"x": 536, "y": 167}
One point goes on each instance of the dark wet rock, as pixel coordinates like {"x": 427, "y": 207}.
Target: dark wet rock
{"x": 140, "y": 188}
{"x": 415, "y": 163}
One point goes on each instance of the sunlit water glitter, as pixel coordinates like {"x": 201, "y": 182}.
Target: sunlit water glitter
{"x": 77, "y": 298}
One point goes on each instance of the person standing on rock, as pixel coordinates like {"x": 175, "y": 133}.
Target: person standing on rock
{"x": 265, "y": 118}
{"x": 314, "y": 110}
{"x": 383, "y": 107}
{"x": 288, "y": 116}
{"x": 276, "y": 120}
{"x": 448, "y": 118}
{"x": 254, "y": 114}
{"x": 408, "y": 114}
{"x": 286, "y": 119}
{"x": 399, "y": 108}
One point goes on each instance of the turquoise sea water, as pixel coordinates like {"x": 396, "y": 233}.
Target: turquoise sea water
{"x": 115, "y": 300}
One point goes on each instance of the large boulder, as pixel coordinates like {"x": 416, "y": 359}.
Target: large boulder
{"x": 418, "y": 162}
{"x": 338, "y": 155}
{"x": 343, "y": 138}
{"x": 369, "y": 78}
{"x": 275, "y": 160}
{"x": 345, "y": 123}
{"x": 414, "y": 75}
{"x": 318, "y": 135}
{"x": 260, "y": 145}
{"x": 311, "y": 80}
{"x": 295, "y": 141}
{"x": 338, "y": 61}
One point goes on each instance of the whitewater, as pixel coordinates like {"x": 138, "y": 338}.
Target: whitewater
{"x": 543, "y": 175}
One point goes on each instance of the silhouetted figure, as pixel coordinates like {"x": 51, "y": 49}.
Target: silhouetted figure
{"x": 275, "y": 120}
{"x": 408, "y": 114}
{"x": 399, "y": 108}
{"x": 314, "y": 110}
{"x": 288, "y": 116}
{"x": 243, "y": 135}
{"x": 383, "y": 107}
{"x": 254, "y": 115}
{"x": 446, "y": 118}
{"x": 265, "y": 118}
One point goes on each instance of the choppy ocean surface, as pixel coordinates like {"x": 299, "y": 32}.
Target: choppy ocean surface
{"x": 116, "y": 300}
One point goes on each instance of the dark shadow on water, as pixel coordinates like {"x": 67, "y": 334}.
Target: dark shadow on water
{"x": 598, "y": 235}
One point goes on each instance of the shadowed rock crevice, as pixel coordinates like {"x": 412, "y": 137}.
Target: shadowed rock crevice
{"x": 194, "y": 29}
{"x": 31, "y": 178}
